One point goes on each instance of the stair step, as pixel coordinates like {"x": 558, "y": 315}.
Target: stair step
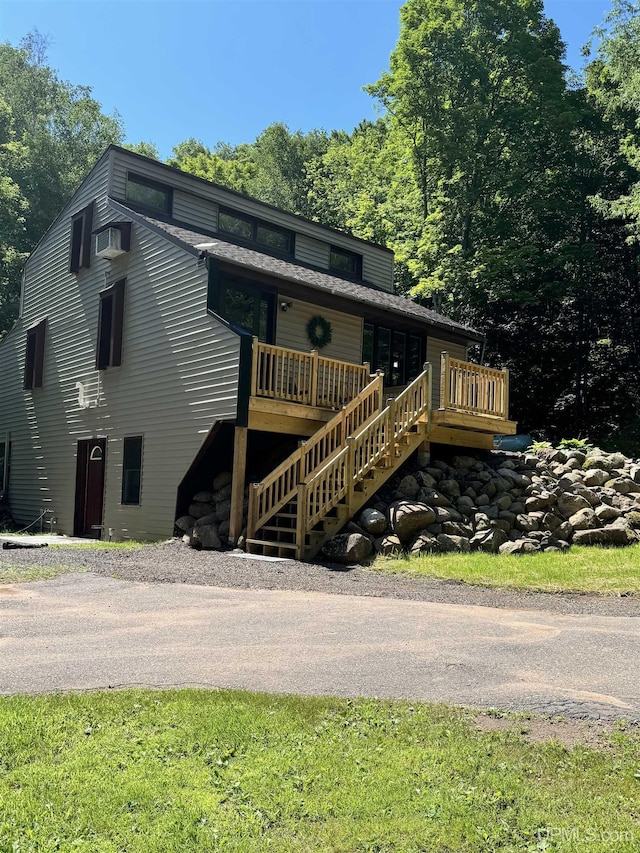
{"x": 268, "y": 543}
{"x": 273, "y": 529}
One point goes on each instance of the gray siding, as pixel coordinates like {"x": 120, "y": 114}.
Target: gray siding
{"x": 196, "y": 203}
{"x": 312, "y": 252}
{"x": 178, "y": 376}
{"x": 435, "y": 348}
{"x": 346, "y": 337}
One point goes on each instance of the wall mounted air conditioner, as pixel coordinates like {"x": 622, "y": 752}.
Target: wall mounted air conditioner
{"x": 109, "y": 243}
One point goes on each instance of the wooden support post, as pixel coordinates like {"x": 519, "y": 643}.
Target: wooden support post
{"x": 350, "y": 472}
{"x": 444, "y": 380}
{"x": 255, "y": 358}
{"x": 424, "y": 454}
{"x": 313, "y": 384}
{"x": 237, "y": 485}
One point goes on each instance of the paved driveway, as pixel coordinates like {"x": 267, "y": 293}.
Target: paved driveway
{"x": 84, "y": 631}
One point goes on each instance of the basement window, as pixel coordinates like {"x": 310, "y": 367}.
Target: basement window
{"x": 110, "y": 327}
{"x": 131, "y": 470}
{"x": 34, "y": 356}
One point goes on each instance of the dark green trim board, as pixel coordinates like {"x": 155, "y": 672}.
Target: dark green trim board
{"x": 244, "y": 380}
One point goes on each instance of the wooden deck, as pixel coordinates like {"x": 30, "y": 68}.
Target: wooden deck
{"x": 357, "y": 437}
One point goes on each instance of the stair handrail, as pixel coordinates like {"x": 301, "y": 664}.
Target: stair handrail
{"x": 324, "y": 489}
{"x": 281, "y": 484}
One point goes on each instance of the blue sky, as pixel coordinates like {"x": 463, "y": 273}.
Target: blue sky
{"x": 225, "y": 69}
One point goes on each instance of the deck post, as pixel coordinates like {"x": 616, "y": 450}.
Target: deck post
{"x": 313, "y": 385}
{"x": 237, "y": 485}
{"x": 255, "y": 357}
{"x": 444, "y": 380}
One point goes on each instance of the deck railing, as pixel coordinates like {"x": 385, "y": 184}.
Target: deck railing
{"x": 329, "y": 485}
{"x": 281, "y": 485}
{"x": 473, "y": 389}
{"x": 305, "y": 377}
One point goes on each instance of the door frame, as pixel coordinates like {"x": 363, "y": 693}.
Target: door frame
{"x": 84, "y": 447}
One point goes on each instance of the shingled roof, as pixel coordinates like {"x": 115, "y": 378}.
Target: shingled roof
{"x": 295, "y": 272}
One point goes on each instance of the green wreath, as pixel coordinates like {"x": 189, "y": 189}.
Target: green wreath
{"x": 319, "y": 331}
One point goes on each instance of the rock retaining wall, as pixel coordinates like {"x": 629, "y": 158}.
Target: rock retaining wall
{"x": 508, "y": 503}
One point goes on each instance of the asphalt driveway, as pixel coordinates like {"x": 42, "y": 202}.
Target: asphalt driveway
{"x": 84, "y": 631}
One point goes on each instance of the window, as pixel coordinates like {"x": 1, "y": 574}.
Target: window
{"x": 110, "y": 326}
{"x": 149, "y": 195}
{"x": 5, "y": 464}
{"x": 34, "y": 358}
{"x": 248, "y": 229}
{"x": 398, "y": 354}
{"x": 344, "y": 262}
{"x": 81, "y": 239}
{"x": 131, "y": 470}
{"x": 247, "y": 307}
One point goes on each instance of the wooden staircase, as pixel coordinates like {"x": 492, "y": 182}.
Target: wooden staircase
{"x": 315, "y": 491}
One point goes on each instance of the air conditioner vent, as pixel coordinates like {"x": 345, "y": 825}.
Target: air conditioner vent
{"x": 109, "y": 243}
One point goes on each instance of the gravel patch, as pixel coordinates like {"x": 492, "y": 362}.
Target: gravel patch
{"x": 173, "y": 562}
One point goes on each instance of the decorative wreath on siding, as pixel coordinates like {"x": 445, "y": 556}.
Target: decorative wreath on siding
{"x": 319, "y": 331}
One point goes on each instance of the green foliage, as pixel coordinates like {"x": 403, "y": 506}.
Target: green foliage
{"x": 51, "y": 134}
{"x": 575, "y": 444}
{"x": 540, "y": 445}
{"x": 195, "y": 770}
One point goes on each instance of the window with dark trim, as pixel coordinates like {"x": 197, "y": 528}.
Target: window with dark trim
{"x": 110, "y": 327}
{"x": 345, "y": 262}
{"x": 34, "y": 356}
{"x": 131, "y": 470}
{"x": 243, "y": 303}
{"x": 400, "y": 355}
{"x": 5, "y": 464}
{"x": 81, "y": 225}
{"x": 148, "y": 195}
{"x": 249, "y": 230}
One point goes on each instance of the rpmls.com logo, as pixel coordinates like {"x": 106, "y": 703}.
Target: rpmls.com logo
{"x": 584, "y": 835}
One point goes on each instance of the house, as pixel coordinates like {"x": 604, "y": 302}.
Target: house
{"x": 171, "y": 329}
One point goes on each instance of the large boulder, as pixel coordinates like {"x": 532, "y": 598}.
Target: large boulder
{"x": 569, "y": 504}
{"x": 407, "y": 518}
{"x": 449, "y": 544}
{"x": 390, "y": 544}
{"x": 489, "y": 540}
{"x": 595, "y": 477}
{"x": 347, "y": 548}
{"x": 221, "y": 480}
{"x": 185, "y": 522}
{"x": 584, "y": 519}
{"x": 408, "y": 487}
{"x": 206, "y": 536}
{"x": 373, "y": 521}
{"x": 602, "y": 536}
{"x": 424, "y": 543}
{"x": 520, "y": 546}
{"x": 198, "y": 510}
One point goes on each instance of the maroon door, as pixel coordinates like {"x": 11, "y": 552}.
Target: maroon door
{"x": 90, "y": 487}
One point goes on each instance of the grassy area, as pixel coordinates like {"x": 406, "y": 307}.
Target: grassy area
{"x": 99, "y": 545}
{"x": 14, "y": 573}
{"x": 613, "y": 571}
{"x": 200, "y": 771}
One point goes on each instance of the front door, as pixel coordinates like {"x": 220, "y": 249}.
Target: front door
{"x": 90, "y": 487}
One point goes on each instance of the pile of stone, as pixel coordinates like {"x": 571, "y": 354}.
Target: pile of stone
{"x": 206, "y": 524}
{"x": 506, "y": 503}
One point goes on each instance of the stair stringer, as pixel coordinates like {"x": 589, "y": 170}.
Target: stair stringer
{"x": 364, "y": 491}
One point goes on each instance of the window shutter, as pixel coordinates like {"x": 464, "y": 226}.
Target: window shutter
{"x": 38, "y": 372}
{"x": 117, "y": 323}
{"x": 87, "y": 225}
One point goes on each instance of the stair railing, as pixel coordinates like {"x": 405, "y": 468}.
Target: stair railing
{"x": 324, "y": 489}
{"x": 281, "y": 485}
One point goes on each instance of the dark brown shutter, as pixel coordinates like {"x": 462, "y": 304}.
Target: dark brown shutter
{"x": 117, "y": 323}
{"x": 28, "y": 360}
{"x": 76, "y": 243}
{"x": 39, "y": 354}
{"x": 87, "y": 225}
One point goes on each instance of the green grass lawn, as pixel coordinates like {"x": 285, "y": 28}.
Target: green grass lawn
{"x": 15, "y": 572}
{"x": 613, "y": 571}
{"x": 142, "y": 771}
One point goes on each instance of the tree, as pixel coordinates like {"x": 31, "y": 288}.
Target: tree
{"x": 55, "y": 132}
{"x": 147, "y": 149}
